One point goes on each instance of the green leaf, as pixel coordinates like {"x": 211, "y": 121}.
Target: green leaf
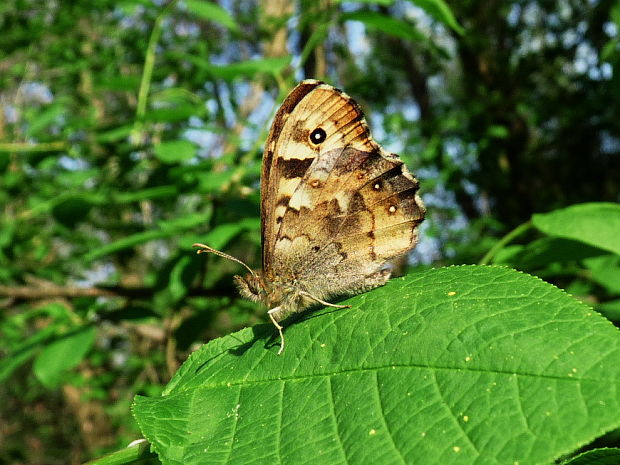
{"x": 610, "y": 49}
{"x": 175, "y": 151}
{"x": 72, "y": 210}
{"x": 212, "y": 12}
{"x": 221, "y": 235}
{"x": 25, "y": 351}
{"x": 596, "y": 457}
{"x": 596, "y": 224}
{"x": 386, "y": 24}
{"x": 272, "y": 66}
{"x": 43, "y": 120}
{"x": 212, "y": 181}
{"x": 123, "y": 83}
{"x": 441, "y": 12}
{"x": 317, "y": 37}
{"x": 541, "y": 252}
{"x": 459, "y": 365}
{"x": 173, "y": 113}
{"x": 148, "y": 193}
{"x": 62, "y": 355}
{"x": 181, "y": 276}
{"x": 166, "y": 229}
{"x": 615, "y": 14}
{"x": 611, "y": 310}
{"x": 498, "y": 131}
{"x": 605, "y": 270}
{"x": 115, "y": 134}
{"x": 372, "y": 2}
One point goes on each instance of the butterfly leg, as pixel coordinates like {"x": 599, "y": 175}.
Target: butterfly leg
{"x": 327, "y": 304}
{"x": 278, "y": 326}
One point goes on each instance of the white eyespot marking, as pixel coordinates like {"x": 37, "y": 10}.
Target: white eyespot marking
{"x": 318, "y": 136}
{"x": 392, "y": 209}
{"x": 315, "y": 183}
{"x": 377, "y": 186}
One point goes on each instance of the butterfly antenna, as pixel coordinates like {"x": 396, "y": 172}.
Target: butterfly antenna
{"x": 202, "y": 248}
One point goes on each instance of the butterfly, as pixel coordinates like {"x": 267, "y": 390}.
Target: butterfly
{"x": 335, "y": 206}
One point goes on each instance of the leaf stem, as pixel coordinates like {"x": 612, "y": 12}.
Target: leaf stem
{"x": 133, "y": 454}
{"x": 504, "y": 241}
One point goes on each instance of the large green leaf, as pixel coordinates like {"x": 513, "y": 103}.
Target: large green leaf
{"x": 596, "y": 224}
{"x": 455, "y": 365}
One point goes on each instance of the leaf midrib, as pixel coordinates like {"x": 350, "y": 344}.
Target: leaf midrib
{"x": 392, "y": 367}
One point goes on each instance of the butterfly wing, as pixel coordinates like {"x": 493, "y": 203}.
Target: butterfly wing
{"x": 338, "y": 206}
{"x": 284, "y": 163}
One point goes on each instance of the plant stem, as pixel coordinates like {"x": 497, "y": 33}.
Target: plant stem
{"x": 33, "y": 147}
{"x": 138, "y": 453}
{"x": 504, "y": 241}
{"x": 147, "y": 74}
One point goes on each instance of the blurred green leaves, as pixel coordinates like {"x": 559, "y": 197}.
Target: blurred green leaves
{"x": 175, "y": 151}
{"x": 63, "y": 354}
{"x": 212, "y": 12}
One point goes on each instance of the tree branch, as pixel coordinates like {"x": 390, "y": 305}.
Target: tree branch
{"x": 71, "y": 292}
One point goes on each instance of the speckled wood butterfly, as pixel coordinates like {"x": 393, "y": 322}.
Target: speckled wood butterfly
{"x": 335, "y": 206}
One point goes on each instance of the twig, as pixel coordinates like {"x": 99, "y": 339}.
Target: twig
{"x": 50, "y": 291}
{"x": 22, "y": 147}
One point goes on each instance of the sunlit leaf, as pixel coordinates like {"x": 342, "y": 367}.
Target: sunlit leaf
{"x": 596, "y": 224}
{"x": 459, "y": 365}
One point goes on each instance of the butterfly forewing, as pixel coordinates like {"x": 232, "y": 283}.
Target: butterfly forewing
{"x": 279, "y": 179}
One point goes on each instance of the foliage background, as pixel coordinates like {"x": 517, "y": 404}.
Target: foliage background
{"x": 131, "y": 129}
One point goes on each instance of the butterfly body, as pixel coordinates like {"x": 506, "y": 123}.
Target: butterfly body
{"x": 335, "y": 206}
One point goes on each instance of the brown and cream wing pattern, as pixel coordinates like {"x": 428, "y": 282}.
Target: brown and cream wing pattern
{"x": 280, "y": 169}
{"x": 337, "y": 201}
